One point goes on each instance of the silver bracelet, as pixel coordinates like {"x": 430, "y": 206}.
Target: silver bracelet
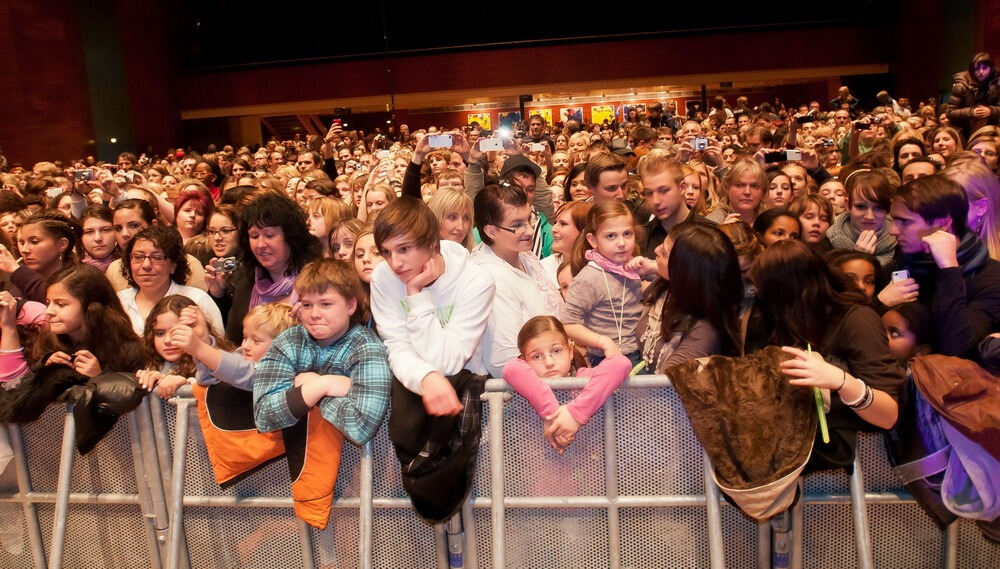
{"x": 860, "y": 399}
{"x": 866, "y": 400}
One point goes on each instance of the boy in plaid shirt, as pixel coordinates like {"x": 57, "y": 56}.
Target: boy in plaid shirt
{"x": 330, "y": 361}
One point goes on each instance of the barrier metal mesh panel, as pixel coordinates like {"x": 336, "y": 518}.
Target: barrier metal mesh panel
{"x": 533, "y": 468}
{"x": 973, "y": 551}
{"x": 657, "y": 454}
{"x": 107, "y": 468}
{"x": 237, "y": 537}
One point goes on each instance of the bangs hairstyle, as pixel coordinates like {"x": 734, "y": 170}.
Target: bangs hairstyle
{"x": 97, "y": 211}
{"x": 105, "y": 325}
{"x": 447, "y": 202}
{"x": 199, "y": 196}
{"x": 489, "y": 202}
{"x": 271, "y": 319}
{"x": 146, "y": 211}
{"x": 407, "y": 217}
{"x": 577, "y": 213}
{"x": 175, "y": 303}
{"x": 802, "y": 203}
{"x": 166, "y": 239}
{"x": 323, "y": 275}
{"x": 599, "y": 213}
{"x": 275, "y": 210}
{"x": 657, "y": 161}
{"x": 737, "y": 170}
{"x": 936, "y": 197}
{"x": 333, "y": 210}
{"x": 537, "y": 326}
{"x": 868, "y": 185}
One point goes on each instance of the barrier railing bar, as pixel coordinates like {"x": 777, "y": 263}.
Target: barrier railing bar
{"x": 145, "y": 501}
{"x": 611, "y": 484}
{"x": 177, "y": 486}
{"x": 441, "y": 539}
{"x": 565, "y": 383}
{"x": 716, "y": 551}
{"x": 62, "y": 490}
{"x": 764, "y": 544}
{"x": 496, "y": 400}
{"x": 163, "y": 453}
{"x": 471, "y": 548}
{"x": 16, "y": 439}
{"x": 162, "y": 444}
{"x": 306, "y": 543}
{"x": 862, "y": 535}
{"x": 798, "y": 533}
{"x": 365, "y": 515}
{"x": 522, "y": 502}
{"x": 154, "y": 480}
{"x": 951, "y": 546}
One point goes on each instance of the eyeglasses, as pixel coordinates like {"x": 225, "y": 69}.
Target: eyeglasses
{"x": 155, "y": 258}
{"x": 519, "y": 228}
{"x": 223, "y": 231}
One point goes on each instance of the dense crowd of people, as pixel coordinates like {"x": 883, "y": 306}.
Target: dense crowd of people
{"x": 341, "y": 271}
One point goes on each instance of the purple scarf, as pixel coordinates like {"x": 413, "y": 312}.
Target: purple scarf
{"x": 265, "y": 291}
{"x": 102, "y": 264}
{"x": 609, "y": 266}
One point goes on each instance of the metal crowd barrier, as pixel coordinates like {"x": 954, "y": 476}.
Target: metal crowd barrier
{"x": 633, "y": 491}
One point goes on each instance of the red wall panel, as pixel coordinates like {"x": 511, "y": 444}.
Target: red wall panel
{"x": 43, "y": 82}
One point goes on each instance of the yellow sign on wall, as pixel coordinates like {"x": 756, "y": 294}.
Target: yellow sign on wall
{"x": 482, "y": 118}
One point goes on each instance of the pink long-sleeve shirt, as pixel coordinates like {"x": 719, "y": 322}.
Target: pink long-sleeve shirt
{"x": 604, "y": 380}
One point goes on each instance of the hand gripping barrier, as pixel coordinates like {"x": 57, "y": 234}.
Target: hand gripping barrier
{"x": 634, "y": 490}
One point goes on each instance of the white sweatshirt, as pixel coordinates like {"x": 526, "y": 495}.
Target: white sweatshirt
{"x": 441, "y": 327}
{"x": 520, "y": 296}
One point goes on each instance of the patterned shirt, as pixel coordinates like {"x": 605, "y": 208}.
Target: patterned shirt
{"x": 358, "y": 354}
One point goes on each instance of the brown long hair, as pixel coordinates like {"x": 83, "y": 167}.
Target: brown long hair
{"x": 176, "y": 303}
{"x": 106, "y": 327}
{"x": 798, "y": 294}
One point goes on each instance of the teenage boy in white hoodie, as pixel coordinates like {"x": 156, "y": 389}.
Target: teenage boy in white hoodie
{"x": 431, "y": 304}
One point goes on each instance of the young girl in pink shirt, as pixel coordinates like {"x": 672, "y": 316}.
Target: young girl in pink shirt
{"x": 546, "y": 352}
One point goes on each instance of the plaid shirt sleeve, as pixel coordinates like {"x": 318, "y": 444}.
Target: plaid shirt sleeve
{"x": 273, "y": 379}
{"x": 359, "y": 414}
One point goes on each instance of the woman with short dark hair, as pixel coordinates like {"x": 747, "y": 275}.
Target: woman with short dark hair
{"x": 155, "y": 266}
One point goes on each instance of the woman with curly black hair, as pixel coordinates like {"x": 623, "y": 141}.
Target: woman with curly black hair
{"x": 155, "y": 266}
{"x": 274, "y": 246}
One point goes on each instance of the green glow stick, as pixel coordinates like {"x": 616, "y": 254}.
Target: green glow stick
{"x": 818, "y": 396}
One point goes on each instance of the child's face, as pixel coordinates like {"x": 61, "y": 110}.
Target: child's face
{"x": 565, "y": 277}
{"x": 862, "y": 273}
{"x": 164, "y": 322}
{"x": 366, "y": 257}
{"x": 326, "y": 315}
{"x": 342, "y": 244}
{"x": 548, "y": 354}
{"x": 615, "y": 239}
{"x": 255, "y": 342}
{"x": 405, "y": 259}
{"x": 64, "y": 312}
{"x": 902, "y": 342}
